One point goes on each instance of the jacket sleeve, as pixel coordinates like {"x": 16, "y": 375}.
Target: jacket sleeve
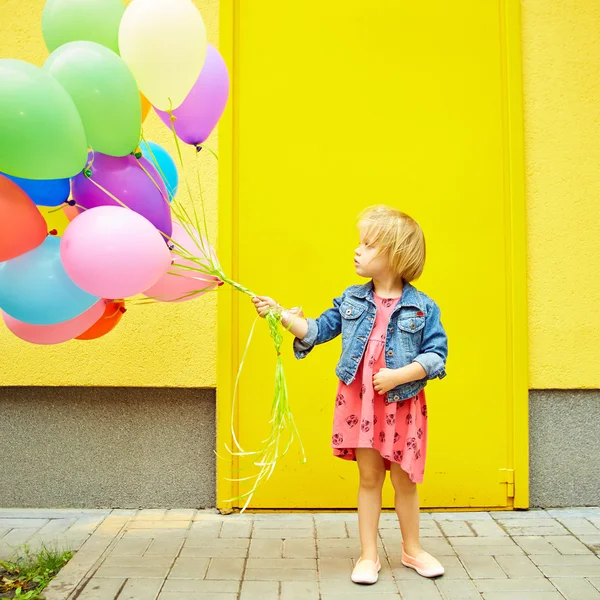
{"x": 434, "y": 346}
{"x": 320, "y": 330}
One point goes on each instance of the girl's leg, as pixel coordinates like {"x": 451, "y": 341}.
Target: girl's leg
{"x": 372, "y": 475}
{"x": 407, "y": 508}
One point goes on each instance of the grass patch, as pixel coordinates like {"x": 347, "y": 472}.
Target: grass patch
{"x": 25, "y": 575}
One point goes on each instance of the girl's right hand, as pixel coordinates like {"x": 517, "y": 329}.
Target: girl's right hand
{"x": 264, "y": 304}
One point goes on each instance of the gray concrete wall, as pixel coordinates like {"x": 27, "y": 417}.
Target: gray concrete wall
{"x": 564, "y": 444}
{"x": 107, "y": 447}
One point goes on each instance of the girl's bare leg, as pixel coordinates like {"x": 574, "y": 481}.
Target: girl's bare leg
{"x": 372, "y": 475}
{"x": 406, "y": 504}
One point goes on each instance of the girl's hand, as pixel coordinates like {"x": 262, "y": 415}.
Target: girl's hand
{"x": 385, "y": 380}
{"x": 264, "y": 304}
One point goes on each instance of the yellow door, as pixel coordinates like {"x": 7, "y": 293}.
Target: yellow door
{"x": 339, "y": 105}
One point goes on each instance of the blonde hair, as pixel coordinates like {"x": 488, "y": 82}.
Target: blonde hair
{"x": 397, "y": 235}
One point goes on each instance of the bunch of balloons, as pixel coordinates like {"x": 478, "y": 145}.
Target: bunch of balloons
{"x": 71, "y": 143}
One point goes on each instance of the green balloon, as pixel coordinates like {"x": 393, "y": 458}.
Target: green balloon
{"x": 41, "y": 133}
{"x": 105, "y": 93}
{"x": 73, "y": 20}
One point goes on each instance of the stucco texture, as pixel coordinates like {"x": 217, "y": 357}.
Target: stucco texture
{"x": 561, "y": 54}
{"x": 154, "y": 345}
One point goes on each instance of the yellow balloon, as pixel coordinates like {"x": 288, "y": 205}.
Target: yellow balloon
{"x": 163, "y": 42}
{"x": 56, "y": 219}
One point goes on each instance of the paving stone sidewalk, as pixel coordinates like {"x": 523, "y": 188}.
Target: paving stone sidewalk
{"x": 189, "y": 555}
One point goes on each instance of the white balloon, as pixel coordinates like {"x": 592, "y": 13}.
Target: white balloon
{"x": 164, "y": 44}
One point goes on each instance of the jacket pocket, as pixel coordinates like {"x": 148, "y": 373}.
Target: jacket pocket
{"x": 411, "y": 323}
{"x": 351, "y": 311}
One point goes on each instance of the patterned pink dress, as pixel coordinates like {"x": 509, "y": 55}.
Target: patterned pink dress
{"x": 365, "y": 419}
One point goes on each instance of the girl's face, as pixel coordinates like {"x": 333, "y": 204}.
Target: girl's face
{"x": 369, "y": 261}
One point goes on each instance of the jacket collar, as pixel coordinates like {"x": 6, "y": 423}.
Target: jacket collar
{"x": 410, "y": 295}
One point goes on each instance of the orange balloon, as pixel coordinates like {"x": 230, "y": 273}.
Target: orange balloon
{"x": 146, "y": 106}
{"x": 22, "y": 226}
{"x": 113, "y": 313}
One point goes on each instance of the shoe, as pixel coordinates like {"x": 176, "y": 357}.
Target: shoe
{"x": 366, "y": 572}
{"x": 425, "y": 564}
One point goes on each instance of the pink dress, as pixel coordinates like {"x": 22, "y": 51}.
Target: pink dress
{"x": 365, "y": 419}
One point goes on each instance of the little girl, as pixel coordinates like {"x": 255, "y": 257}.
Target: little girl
{"x": 393, "y": 342}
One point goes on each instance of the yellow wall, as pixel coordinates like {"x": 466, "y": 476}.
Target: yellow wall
{"x": 176, "y": 345}
{"x": 154, "y": 345}
{"x": 561, "y": 53}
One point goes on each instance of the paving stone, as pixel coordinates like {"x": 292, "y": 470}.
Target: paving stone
{"x": 141, "y": 589}
{"x": 205, "y": 529}
{"x": 457, "y": 589}
{"x": 585, "y": 560}
{"x": 347, "y": 587}
{"x": 595, "y": 582}
{"x": 352, "y": 529}
{"x": 163, "y": 524}
{"x": 281, "y": 563}
{"x": 461, "y": 516}
{"x": 522, "y": 596}
{"x": 180, "y": 514}
{"x": 283, "y": 534}
{"x": 164, "y": 547}
{"x": 299, "y": 590}
{"x": 300, "y": 548}
{"x": 591, "y": 541}
{"x": 335, "y": 516}
{"x": 456, "y": 529}
{"x": 419, "y": 589}
{"x": 570, "y": 570}
{"x": 137, "y": 561}
{"x": 122, "y": 572}
{"x": 579, "y": 526}
{"x": 217, "y": 548}
{"x": 335, "y": 568}
{"x": 150, "y": 514}
{"x": 519, "y": 514}
{"x": 259, "y": 590}
{"x": 56, "y": 526}
{"x": 98, "y": 588}
{"x": 85, "y": 524}
{"x": 349, "y": 548}
{"x": 567, "y": 544}
{"x": 533, "y": 527}
{"x": 535, "y": 545}
{"x": 201, "y": 586}
{"x": 487, "y": 529}
{"x": 226, "y": 568}
{"x": 295, "y": 523}
{"x": 189, "y": 568}
{"x": 17, "y": 537}
{"x": 282, "y": 574}
{"x": 266, "y": 549}
{"x": 576, "y": 589}
{"x": 122, "y": 512}
{"x": 241, "y": 529}
{"x": 4, "y": 531}
{"x": 197, "y": 596}
{"x": 454, "y": 568}
{"x": 331, "y": 529}
{"x": 517, "y": 567}
{"x": 574, "y": 512}
{"x": 16, "y": 523}
{"x": 537, "y": 584}
{"x": 482, "y": 567}
{"x": 369, "y": 592}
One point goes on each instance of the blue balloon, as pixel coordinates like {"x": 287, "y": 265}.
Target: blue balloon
{"x": 50, "y": 192}
{"x": 35, "y": 288}
{"x": 164, "y": 164}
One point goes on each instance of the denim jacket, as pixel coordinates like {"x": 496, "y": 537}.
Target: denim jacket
{"x": 414, "y": 334}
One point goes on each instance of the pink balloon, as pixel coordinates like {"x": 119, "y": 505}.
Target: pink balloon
{"x": 179, "y": 284}
{"x": 55, "y": 334}
{"x": 200, "y": 112}
{"x": 114, "y": 251}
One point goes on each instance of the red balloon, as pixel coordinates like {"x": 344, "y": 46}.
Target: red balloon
{"x": 113, "y": 313}
{"x": 22, "y": 226}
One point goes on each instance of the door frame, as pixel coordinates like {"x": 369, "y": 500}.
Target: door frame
{"x": 228, "y": 356}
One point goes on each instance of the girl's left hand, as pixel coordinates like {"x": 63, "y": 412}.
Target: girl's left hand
{"x": 385, "y": 380}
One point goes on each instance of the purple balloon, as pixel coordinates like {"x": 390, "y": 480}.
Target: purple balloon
{"x": 200, "y": 112}
{"x": 125, "y": 179}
